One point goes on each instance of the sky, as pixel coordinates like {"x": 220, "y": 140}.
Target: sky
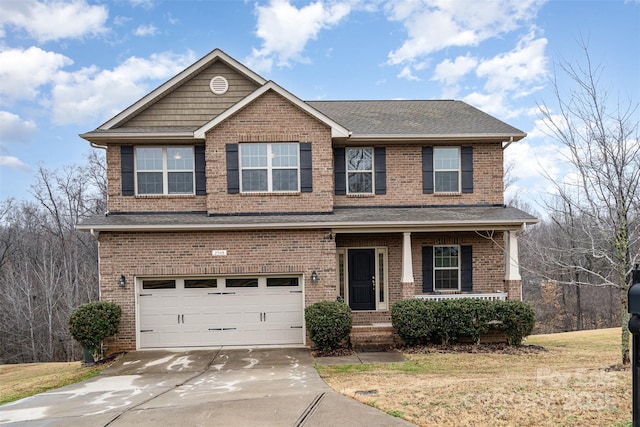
{"x": 66, "y": 67}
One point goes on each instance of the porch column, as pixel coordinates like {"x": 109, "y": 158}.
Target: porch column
{"x": 408, "y": 288}
{"x": 512, "y": 268}
{"x": 512, "y": 278}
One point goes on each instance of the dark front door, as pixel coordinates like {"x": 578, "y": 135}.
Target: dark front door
{"x": 362, "y": 292}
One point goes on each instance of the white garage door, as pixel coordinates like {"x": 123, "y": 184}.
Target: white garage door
{"x": 199, "y": 312}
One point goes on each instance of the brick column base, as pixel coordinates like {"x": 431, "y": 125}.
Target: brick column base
{"x": 513, "y": 289}
{"x": 408, "y": 290}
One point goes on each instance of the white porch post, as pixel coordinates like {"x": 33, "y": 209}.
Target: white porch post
{"x": 407, "y": 262}
{"x": 512, "y": 270}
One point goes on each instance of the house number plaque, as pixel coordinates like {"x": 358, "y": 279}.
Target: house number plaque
{"x": 219, "y": 252}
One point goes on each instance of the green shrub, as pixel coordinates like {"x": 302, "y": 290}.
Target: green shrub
{"x": 416, "y": 320}
{"x": 90, "y": 323}
{"x": 516, "y": 318}
{"x": 328, "y": 323}
{"x": 413, "y": 320}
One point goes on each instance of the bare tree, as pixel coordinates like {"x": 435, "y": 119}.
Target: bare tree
{"x": 47, "y": 267}
{"x": 595, "y": 206}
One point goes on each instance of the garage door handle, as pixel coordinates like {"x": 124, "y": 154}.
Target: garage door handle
{"x": 227, "y": 293}
{"x": 146, "y": 330}
{"x": 296, "y": 327}
{"x": 146, "y": 295}
{"x": 214, "y": 293}
{"x": 295, "y": 292}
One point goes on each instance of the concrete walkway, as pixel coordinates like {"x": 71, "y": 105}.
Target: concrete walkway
{"x": 250, "y": 387}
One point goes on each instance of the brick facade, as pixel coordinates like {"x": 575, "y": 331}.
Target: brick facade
{"x": 272, "y": 117}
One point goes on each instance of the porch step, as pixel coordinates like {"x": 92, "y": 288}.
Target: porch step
{"x": 372, "y": 337}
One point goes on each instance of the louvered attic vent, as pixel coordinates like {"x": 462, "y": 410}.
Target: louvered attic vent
{"x": 219, "y": 85}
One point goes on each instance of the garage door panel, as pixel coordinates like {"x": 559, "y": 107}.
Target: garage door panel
{"x": 214, "y": 314}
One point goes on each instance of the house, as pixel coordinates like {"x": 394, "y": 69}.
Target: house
{"x": 233, "y": 204}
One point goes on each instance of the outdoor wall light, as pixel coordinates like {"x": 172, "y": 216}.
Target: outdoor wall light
{"x": 314, "y": 277}
{"x": 122, "y": 281}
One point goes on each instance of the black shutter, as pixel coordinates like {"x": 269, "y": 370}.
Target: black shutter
{"x": 306, "y": 172}
{"x": 233, "y": 173}
{"x": 427, "y": 170}
{"x": 127, "y": 170}
{"x": 340, "y": 173}
{"x": 466, "y": 153}
{"x": 380, "y": 167}
{"x": 200, "y": 170}
{"x": 466, "y": 273}
{"x": 427, "y": 269}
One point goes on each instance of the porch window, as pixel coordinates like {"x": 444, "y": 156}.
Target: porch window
{"x": 269, "y": 167}
{"x": 446, "y": 268}
{"x": 359, "y": 170}
{"x": 164, "y": 170}
{"x": 446, "y": 169}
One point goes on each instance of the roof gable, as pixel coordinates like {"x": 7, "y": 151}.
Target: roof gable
{"x": 170, "y": 85}
{"x": 337, "y": 130}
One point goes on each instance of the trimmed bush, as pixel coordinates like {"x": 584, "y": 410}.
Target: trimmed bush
{"x": 329, "y": 323}
{"x": 413, "y": 320}
{"x": 517, "y": 320}
{"x": 417, "y": 321}
{"x": 90, "y": 323}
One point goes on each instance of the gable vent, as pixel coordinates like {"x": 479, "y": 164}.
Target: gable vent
{"x": 219, "y": 85}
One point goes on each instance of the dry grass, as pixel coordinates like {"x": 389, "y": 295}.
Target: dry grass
{"x": 568, "y": 385}
{"x": 19, "y": 381}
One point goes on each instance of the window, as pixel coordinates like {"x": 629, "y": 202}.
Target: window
{"x": 446, "y": 263}
{"x": 359, "y": 170}
{"x": 200, "y": 283}
{"x": 164, "y": 170}
{"x": 158, "y": 284}
{"x": 284, "y": 281}
{"x": 446, "y": 169}
{"x": 241, "y": 283}
{"x": 269, "y": 167}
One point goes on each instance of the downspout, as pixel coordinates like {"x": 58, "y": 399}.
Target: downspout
{"x": 508, "y": 143}
{"x": 94, "y": 145}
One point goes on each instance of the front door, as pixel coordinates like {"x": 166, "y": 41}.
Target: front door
{"x": 362, "y": 291}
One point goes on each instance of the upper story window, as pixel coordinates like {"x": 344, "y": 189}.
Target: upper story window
{"x": 164, "y": 170}
{"x": 446, "y": 169}
{"x": 446, "y": 268}
{"x": 269, "y": 167}
{"x": 359, "y": 170}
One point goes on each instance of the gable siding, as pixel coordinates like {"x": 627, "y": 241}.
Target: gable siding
{"x": 405, "y": 184}
{"x": 193, "y": 103}
{"x": 271, "y": 118}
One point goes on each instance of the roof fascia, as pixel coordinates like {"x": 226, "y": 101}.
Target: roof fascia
{"x": 340, "y": 227}
{"x": 178, "y": 78}
{"x": 337, "y": 130}
{"x": 482, "y": 137}
{"x": 100, "y": 137}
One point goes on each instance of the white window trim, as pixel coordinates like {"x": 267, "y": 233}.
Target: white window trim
{"x": 458, "y": 170}
{"x": 372, "y": 171}
{"x": 269, "y": 168}
{"x": 458, "y": 268}
{"x": 165, "y": 172}
{"x": 380, "y": 306}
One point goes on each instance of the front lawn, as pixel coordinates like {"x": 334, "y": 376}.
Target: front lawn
{"x": 570, "y": 384}
{"x": 24, "y": 380}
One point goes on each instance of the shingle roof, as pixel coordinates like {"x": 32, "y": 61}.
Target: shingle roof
{"x": 463, "y": 217}
{"x": 441, "y": 117}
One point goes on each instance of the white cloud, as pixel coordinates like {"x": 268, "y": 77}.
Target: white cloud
{"x": 54, "y": 20}
{"x": 91, "y": 94}
{"x": 521, "y": 67}
{"x": 449, "y": 72}
{"x": 285, "y": 30}
{"x": 146, "y": 30}
{"x": 14, "y": 129}
{"x": 23, "y": 72}
{"x": 434, "y": 25}
{"x": 13, "y": 162}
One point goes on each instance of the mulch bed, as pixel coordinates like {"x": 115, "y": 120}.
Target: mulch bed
{"x": 500, "y": 348}
{"x": 471, "y": 348}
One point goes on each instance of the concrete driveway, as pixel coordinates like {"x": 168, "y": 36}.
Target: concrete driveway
{"x": 249, "y": 387}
